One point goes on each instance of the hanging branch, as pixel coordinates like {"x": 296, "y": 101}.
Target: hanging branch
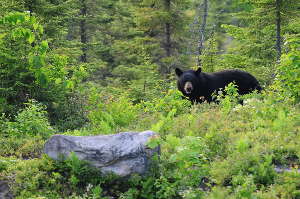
{"x": 278, "y": 30}
{"x": 202, "y": 32}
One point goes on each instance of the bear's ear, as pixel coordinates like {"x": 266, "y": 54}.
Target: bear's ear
{"x": 178, "y": 72}
{"x": 198, "y": 71}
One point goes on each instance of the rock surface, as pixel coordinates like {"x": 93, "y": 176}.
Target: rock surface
{"x": 123, "y": 153}
{"x": 4, "y": 190}
{"x": 281, "y": 169}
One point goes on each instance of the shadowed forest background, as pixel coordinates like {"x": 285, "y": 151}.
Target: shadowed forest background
{"x": 89, "y": 67}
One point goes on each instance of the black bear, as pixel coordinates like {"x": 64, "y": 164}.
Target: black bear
{"x": 199, "y": 86}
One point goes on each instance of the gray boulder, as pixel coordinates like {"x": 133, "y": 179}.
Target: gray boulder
{"x": 123, "y": 153}
{"x": 5, "y": 193}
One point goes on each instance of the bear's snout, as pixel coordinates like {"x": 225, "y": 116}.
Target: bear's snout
{"x": 188, "y": 87}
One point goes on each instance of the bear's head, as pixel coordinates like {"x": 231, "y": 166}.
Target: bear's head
{"x": 188, "y": 81}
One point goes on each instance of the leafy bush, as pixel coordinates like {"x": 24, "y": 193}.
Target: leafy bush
{"x": 109, "y": 116}
{"x": 288, "y": 77}
{"x": 218, "y": 150}
{"x": 229, "y": 98}
{"x": 24, "y": 148}
{"x": 69, "y": 113}
{"x": 207, "y": 150}
{"x": 29, "y": 68}
{"x": 25, "y": 136}
{"x": 53, "y": 179}
{"x": 31, "y": 121}
{"x": 171, "y": 101}
{"x": 180, "y": 170}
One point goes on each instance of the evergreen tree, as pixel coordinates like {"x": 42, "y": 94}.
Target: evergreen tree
{"x": 257, "y": 34}
{"x": 167, "y": 22}
{"x": 209, "y": 15}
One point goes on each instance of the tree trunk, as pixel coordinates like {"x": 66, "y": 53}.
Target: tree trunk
{"x": 168, "y": 39}
{"x": 278, "y": 30}
{"x": 83, "y": 31}
{"x": 202, "y": 32}
{"x": 168, "y": 45}
{"x": 71, "y": 29}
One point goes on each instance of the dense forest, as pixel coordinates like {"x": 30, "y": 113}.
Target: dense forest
{"x": 90, "y": 67}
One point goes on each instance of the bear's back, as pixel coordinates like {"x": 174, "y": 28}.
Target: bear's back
{"x": 244, "y": 80}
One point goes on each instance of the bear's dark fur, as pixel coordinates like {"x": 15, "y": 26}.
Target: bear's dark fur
{"x": 199, "y": 86}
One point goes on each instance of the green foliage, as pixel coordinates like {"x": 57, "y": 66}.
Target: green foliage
{"x": 69, "y": 113}
{"x": 153, "y": 18}
{"x": 28, "y": 68}
{"x": 166, "y": 109}
{"x": 251, "y": 51}
{"x": 254, "y": 33}
{"x": 209, "y": 57}
{"x": 31, "y": 121}
{"x": 27, "y": 184}
{"x": 56, "y": 179}
{"x": 224, "y": 150}
{"x": 288, "y": 78}
{"x": 187, "y": 156}
{"x": 181, "y": 166}
{"x": 37, "y": 124}
{"x": 171, "y": 101}
{"x": 230, "y": 98}
{"x": 110, "y": 115}
{"x": 25, "y": 136}
{"x": 200, "y": 158}
{"x": 92, "y": 192}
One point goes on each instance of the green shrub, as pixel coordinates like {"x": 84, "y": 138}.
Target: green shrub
{"x": 31, "y": 121}
{"x": 286, "y": 187}
{"x": 29, "y": 68}
{"x": 69, "y": 113}
{"x": 288, "y": 77}
{"x": 21, "y": 147}
{"x": 3, "y": 165}
{"x": 56, "y": 179}
{"x": 224, "y": 150}
{"x": 229, "y": 98}
{"x": 25, "y": 136}
{"x": 171, "y": 101}
{"x": 91, "y": 192}
{"x": 33, "y": 178}
{"x": 109, "y": 116}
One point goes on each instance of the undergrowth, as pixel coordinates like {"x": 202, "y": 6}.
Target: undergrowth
{"x": 224, "y": 150}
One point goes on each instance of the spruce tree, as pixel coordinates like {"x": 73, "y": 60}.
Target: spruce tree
{"x": 167, "y": 22}
{"x": 258, "y": 33}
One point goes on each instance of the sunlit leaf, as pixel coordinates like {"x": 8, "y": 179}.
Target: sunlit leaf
{"x": 31, "y": 38}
